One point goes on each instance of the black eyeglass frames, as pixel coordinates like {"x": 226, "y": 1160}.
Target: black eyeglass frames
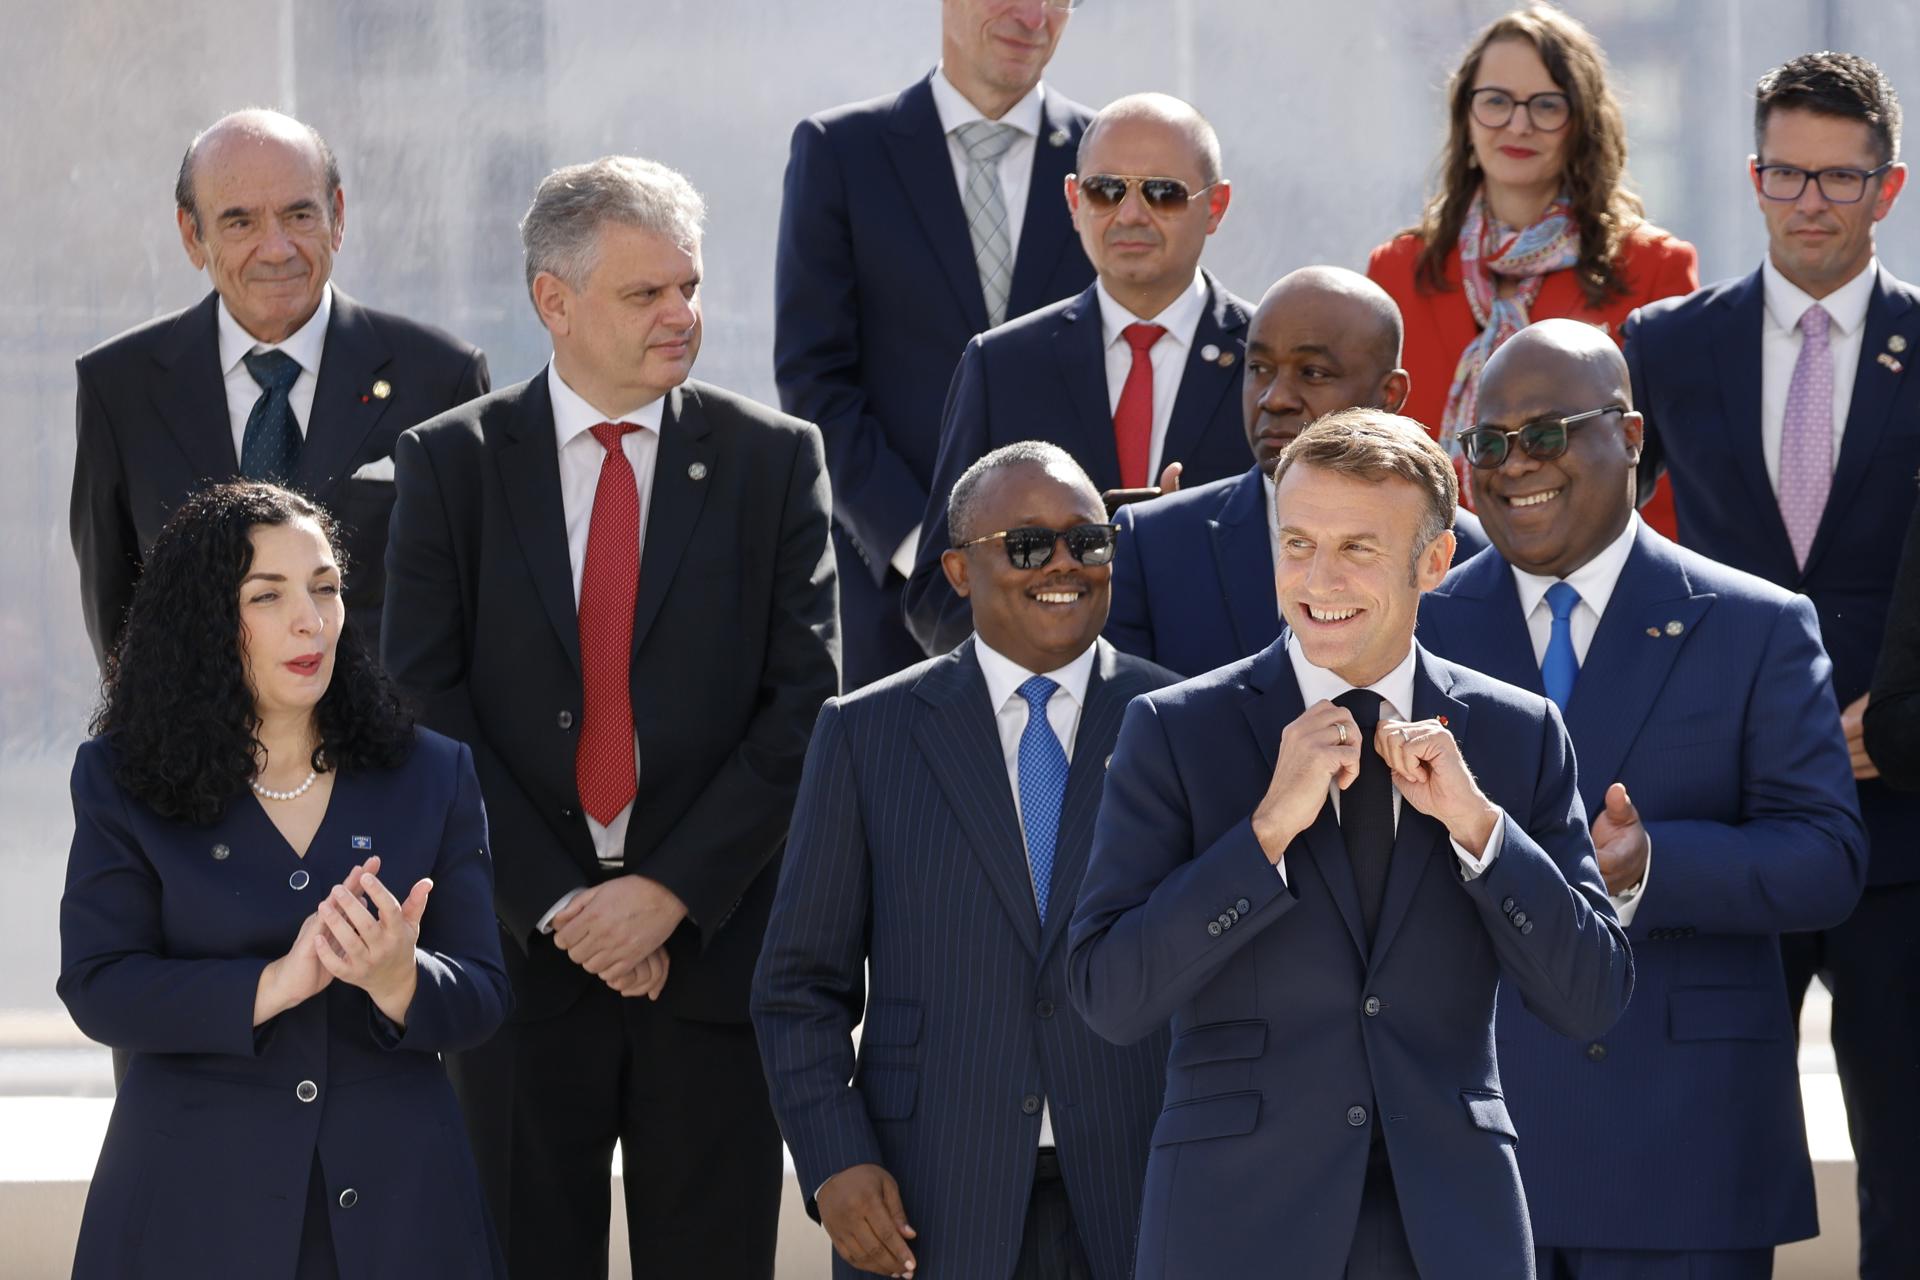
{"x": 1031, "y": 546}
{"x": 1543, "y": 439}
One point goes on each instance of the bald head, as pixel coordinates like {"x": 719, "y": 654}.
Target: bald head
{"x": 1576, "y": 355}
{"x": 1159, "y": 109}
{"x": 255, "y": 128}
{"x": 1360, "y": 303}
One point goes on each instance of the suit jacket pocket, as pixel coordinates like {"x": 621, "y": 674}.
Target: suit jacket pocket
{"x": 1726, "y": 1013}
{"x": 891, "y": 1022}
{"x": 890, "y": 1092}
{"x": 1219, "y": 1042}
{"x": 1224, "y": 1115}
{"x": 1487, "y": 1110}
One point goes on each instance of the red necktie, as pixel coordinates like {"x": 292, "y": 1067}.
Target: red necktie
{"x": 609, "y": 584}
{"x": 1133, "y": 418}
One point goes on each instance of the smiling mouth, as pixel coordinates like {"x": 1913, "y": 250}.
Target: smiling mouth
{"x": 1535, "y": 499}
{"x": 1057, "y": 597}
{"x": 1330, "y": 615}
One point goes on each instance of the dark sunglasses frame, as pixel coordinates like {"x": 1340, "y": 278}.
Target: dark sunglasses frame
{"x": 1473, "y": 108}
{"x": 1534, "y": 438}
{"x": 1025, "y": 543}
{"x": 1819, "y": 178}
{"x": 1162, "y": 195}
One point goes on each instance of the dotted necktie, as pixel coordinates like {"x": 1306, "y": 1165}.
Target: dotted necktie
{"x": 603, "y": 766}
{"x": 1559, "y": 668}
{"x": 1806, "y": 435}
{"x": 986, "y": 208}
{"x": 1366, "y": 810}
{"x": 1133, "y": 416}
{"x": 1043, "y": 787}
{"x": 271, "y": 445}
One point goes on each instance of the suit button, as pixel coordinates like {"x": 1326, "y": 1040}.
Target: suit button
{"x": 221, "y": 853}
{"x": 299, "y": 880}
{"x": 1596, "y": 1052}
{"x": 349, "y": 1198}
{"x": 567, "y": 814}
{"x": 1527, "y": 927}
{"x": 1213, "y": 928}
{"x": 1030, "y": 1104}
{"x": 306, "y": 1091}
{"x": 1519, "y": 919}
{"x": 1372, "y": 1006}
{"x": 1226, "y": 921}
{"x": 1243, "y": 906}
{"x": 1507, "y": 905}
{"x": 1356, "y": 1116}
{"x": 1044, "y": 1008}
{"x": 566, "y": 719}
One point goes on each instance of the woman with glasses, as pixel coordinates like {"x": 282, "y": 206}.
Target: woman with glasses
{"x": 1533, "y": 218}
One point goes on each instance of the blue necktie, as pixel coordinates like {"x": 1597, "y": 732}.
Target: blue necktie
{"x": 1559, "y": 668}
{"x": 1043, "y": 787}
{"x": 271, "y": 444}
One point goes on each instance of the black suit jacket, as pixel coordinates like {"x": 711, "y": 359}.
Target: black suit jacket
{"x": 152, "y": 427}
{"x": 735, "y": 647}
{"x": 1044, "y": 377}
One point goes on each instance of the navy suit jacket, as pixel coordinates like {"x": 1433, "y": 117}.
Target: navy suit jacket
{"x": 1682, "y": 1129}
{"x": 1044, "y": 377}
{"x": 876, "y": 293}
{"x": 907, "y": 860}
{"x": 1695, "y": 363}
{"x": 1292, "y": 1038}
{"x": 164, "y": 931}
{"x": 1193, "y": 575}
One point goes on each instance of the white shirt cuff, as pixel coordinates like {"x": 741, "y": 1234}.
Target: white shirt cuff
{"x": 1626, "y": 904}
{"x": 902, "y": 561}
{"x": 1471, "y": 868}
{"x": 1281, "y": 867}
{"x": 546, "y": 921}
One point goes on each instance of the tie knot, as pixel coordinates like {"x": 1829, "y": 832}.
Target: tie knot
{"x": 1037, "y": 691}
{"x": 1561, "y": 597}
{"x": 273, "y": 370}
{"x": 1365, "y": 706}
{"x": 1141, "y": 337}
{"x": 609, "y": 433}
{"x": 986, "y": 141}
{"x": 1814, "y": 321}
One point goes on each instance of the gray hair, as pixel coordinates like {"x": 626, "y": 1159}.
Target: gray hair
{"x": 965, "y": 501}
{"x": 257, "y": 122}
{"x": 562, "y": 227}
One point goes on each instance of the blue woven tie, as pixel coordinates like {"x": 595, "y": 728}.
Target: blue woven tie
{"x": 1559, "y": 668}
{"x": 271, "y": 444}
{"x": 1043, "y": 787}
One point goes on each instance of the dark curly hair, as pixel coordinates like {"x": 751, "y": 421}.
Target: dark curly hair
{"x": 176, "y": 704}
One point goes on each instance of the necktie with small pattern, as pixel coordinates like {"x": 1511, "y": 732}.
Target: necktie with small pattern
{"x": 603, "y": 764}
{"x": 271, "y": 445}
{"x": 1043, "y": 786}
{"x": 986, "y": 208}
{"x": 1559, "y": 668}
{"x": 1806, "y": 435}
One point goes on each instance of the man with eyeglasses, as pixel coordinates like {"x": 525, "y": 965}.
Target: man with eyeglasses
{"x": 1135, "y": 376}
{"x": 1783, "y": 408}
{"x": 943, "y": 825}
{"x": 1711, "y": 759}
{"x": 910, "y": 223}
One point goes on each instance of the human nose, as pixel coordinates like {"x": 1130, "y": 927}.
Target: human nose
{"x": 1812, "y": 199}
{"x": 307, "y": 619}
{"x": 1281, "y": 396}
{"x": 1518, "y": 461}
{"x": 1322, "y": 576}
{"x": 1031, "y": 14}
{"x": 1521, "y": 122}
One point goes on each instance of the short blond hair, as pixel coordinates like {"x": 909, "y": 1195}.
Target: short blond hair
{"x": 1375, "y": 445}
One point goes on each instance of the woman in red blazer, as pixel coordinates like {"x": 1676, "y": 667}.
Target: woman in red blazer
{"x": 1533, "y": 219}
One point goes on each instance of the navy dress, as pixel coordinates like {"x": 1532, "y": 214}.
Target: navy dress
{"x": 327, "y": 1139}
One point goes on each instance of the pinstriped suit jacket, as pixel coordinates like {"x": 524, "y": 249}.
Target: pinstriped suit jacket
{"x": 906, "y": 860}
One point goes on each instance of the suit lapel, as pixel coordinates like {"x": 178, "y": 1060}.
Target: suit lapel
{"x": 673, "y": 508}
{"x": 1086, "y": 778}
{"x": 1875, "y": 387}
{"x": 1498, "y": 640}
{"x": 958, "y": 737}
{"x": 1080, "y": 347}
{"x": 528, "y": 460}
{"x": 190, "y": 393}
{"x": 1044, "y": 234}
{"x": 344, "y": 408}
{"x": 1243, "y": 557}
{"x": 918, "y": 148}
{"x": 1204, "y": 382}
{"x": 1736, "y": 349}
{"x": 1417, "y": 838}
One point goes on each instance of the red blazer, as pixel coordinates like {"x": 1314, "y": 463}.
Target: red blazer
{"x": 1440, "y": 325}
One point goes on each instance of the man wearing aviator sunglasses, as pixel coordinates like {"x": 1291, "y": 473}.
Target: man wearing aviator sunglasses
{"x": 1135, "y": 376}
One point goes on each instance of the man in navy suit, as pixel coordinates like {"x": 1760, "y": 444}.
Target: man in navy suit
{"x": 1193, "y": 574}
{"x": 1699, "y": 700}
{"x": 910, "y": 223}
{"x": 1781, "y": 406}
{"x": 1135, "y": 376}
{"x": 1321, "y": 863}
{"x": 941, "y": 833}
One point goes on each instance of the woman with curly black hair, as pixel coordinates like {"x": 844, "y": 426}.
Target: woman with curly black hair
{"x": 253, "y": 788}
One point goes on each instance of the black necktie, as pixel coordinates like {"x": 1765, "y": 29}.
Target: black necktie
{"x": 271, "y": 445}
{"x": 1366, "y": 810}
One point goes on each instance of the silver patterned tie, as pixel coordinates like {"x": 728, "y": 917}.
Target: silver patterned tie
{"x": 986, "y": 210}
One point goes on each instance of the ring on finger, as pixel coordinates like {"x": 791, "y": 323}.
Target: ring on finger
{"x": 1340, "y": 727}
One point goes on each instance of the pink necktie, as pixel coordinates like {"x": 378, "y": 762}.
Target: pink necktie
{"x": 1806, "y": 436}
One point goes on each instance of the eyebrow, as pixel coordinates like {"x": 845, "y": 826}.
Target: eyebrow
{"x": 1287, "y": 529}
{"x": 319, "y": 571}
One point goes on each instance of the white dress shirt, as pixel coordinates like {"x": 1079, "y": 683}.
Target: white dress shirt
{"x": 1396, "y": 701}
{"x": 1595, "y": 581}
{"x": 580, "y": 457}
{"x": 1181, "y": 318}
{"x": 1004, "y": 677}
{"x": 304, "y": 345}
{"x": 1780, "y": 350}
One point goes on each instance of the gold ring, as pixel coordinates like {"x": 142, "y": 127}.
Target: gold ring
{"x": 1341, "y": 727}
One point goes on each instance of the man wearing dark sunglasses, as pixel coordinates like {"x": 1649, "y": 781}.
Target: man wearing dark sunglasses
{"x": 942, "y": 830}
{"x": 1782, "y": 406}
{"x": 1712, "y": 763}
{"x": 1134, "y": 377}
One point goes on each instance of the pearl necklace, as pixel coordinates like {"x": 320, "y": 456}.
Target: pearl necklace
{"x": 270, "y": 794}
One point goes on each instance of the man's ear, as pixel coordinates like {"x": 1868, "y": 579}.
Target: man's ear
{"x": 953, "y": 563}
{"x": 552, "y": 300}
{"x": 1435, "y": 561}
{"x": 190, "y": 240}
{"x": 1394, "y": 390}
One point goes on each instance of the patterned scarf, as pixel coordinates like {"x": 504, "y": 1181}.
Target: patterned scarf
{"x": 1489, "y": 249}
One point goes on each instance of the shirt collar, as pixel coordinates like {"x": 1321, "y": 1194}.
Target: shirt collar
{"x": 1594, "y": 580}
{"x": 1005, "y": 676}
{"x": 1845, "y": 306}
{"x": 1179, "y": 317}
{"x": 954, "y": 110}
{"x": 1318, "y": 684}
{"x": 304, "y": 344}
{"x": 572, "y": 415}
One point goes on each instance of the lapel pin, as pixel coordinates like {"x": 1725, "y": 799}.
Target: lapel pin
{"x": 363, "y": 842}
{"x": 221, "y": 853}
{"x": 1058, "y": 138}
{"x": 1654, "y": 632}
{"x": 1442, "y": 720}
{"x": 1675, "y": 627}
{"x": 1896, "y": 344}
{"x": 697, "y": 471}
{"x": 382, "y": 389}
{"x": 1890, "y": 362}
{"x": 1226, "y": 359}
{"x": 1209, "y": 353}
